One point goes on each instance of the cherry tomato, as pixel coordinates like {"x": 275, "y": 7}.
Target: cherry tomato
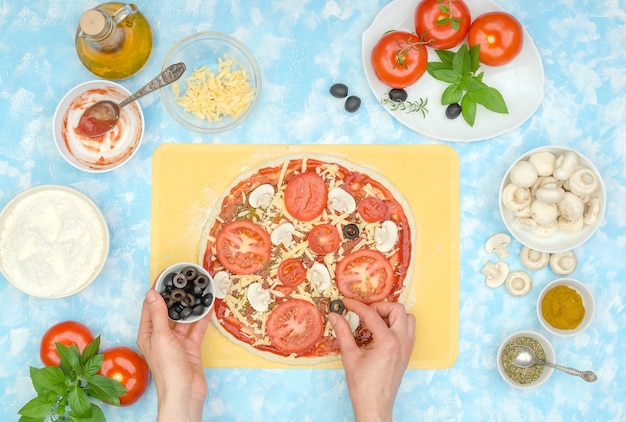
{"x": 66, "y": 333}
{"x": 306, "y": 196}
{"x": 372, "y": 209}
{"x": 365, "y": 275}
{"x": 399, "y": 59}
{"x": 295, "y": 326}
{"x": 130, "y": 369}
{"x": 243, "y": 247}
{"x": 443, "y": 23}
{"x": 324, "y": 239}
{"x": 500, "y": 36}
{"x": 291, "y": 272}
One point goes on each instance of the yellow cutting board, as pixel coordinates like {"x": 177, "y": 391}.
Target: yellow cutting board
{"x": 188, "y": 179}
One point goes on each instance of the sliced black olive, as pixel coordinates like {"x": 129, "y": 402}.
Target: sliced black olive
{"x": 198, "y": 290}
{"x": 207, "y": 299}
{"x": 339, "y": 91}
{"x": 173, "y": 314}
{"x": 201, "y": 281}
{"x": 168, "y": 300}
{"x": 187, "y": 310}
{"x": 180, "y": 281}
{"x": 198, "y": 310}
{"x": 350, "y": 231}
{"x": 190, "y": 273}
{"x": 189, "y": 300}
{"x": 169, "y": 280}
{"x": 352, "y": 104}
{"x": 398, "y": 95}
{"x": 178, "y": 295}
{"x": 453, "y": 111}
{"x": 337, "y": 306}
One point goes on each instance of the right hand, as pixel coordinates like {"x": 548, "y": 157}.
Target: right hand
{"x": 374, "y": 372}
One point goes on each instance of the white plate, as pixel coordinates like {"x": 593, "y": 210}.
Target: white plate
{"x": 520, "y": 81}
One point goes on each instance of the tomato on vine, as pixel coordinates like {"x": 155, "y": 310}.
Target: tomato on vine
{"x": 399, "y": 59}
{"x": 442, "y": 23}
{"x": 500, "y": 36}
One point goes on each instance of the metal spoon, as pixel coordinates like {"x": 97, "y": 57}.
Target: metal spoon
{"x": 527, "y": 357}
{"x": 102, "y": 116}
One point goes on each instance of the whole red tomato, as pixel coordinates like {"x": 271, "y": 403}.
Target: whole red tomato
{"x": 399, "y": 59}
{"x": 129, "y": 368}
{"x": 443, "y": 23}
{"x": 500, "y": 36}
{"x": 66, "y": 333}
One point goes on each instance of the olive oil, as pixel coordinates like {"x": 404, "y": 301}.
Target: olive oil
{"x": 114, "y": 40}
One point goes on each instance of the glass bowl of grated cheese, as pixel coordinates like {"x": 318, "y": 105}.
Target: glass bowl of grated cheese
{"x": 220, "y": 87}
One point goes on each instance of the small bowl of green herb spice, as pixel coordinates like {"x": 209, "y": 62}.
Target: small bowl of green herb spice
{"x": 533, "y": 376}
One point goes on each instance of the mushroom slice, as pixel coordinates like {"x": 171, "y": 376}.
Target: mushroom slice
{"x": 341, "y": 201}
{"x": 533, "y": 259}
{"x": 496, "y": 273}
{"x": 283, "y": 234}
{"x": 261, "y": 196}
{"x": 563, "y": 263}
{"x": 498, "y": 243}
{"x": 518, "y": 283}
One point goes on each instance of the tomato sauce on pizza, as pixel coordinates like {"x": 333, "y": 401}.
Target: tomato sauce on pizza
{"x": 288, "y": 238}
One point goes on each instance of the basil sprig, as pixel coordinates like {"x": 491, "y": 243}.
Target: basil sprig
{"x": 465, "y": 86}
{"x": 63, "y": 392}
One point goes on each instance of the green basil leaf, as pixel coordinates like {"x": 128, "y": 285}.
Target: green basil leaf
{"x": 90, "y": 351}
{"x": 475, "y": 57}
{"x": 455, "y": 24}
{"x": 468, "y": 109}
{"x": 93, "y": 365}
{"x": 491, "y": 99}
{"x": 446, "y": 75}
{"x": 452, "y": 94}
{"x": 96, "y": 415}
{"x": 446, "y": 57}
{"x": 79, "y": 402}
{"x": 461, "y": 62}
{"x": 105, "y": 389}
{"x": 70, "y": 356}
{"x": 470, "y": 83}
{"x": 479, "y": 77}
{"x": 435, "y": 67}
{"x": 442, "y": 21}
{"x": 49, "y": 378}
{"x": 37, "y": 408}
{"x": 443, "y": 8}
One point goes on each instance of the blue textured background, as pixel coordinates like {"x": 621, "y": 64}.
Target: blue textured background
{"x": 302, "y": 48}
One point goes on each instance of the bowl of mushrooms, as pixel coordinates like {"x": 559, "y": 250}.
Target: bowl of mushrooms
{"x": 552, "y": 199}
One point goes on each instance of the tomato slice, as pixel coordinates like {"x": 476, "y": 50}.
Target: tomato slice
{"x": 365, "y": 275}
{"x": 66, "y": 333}
{"x": 443, "y": 23}
{"x": 324, "y": 239}
{"x": 306, "y": 196}
{"x": 295, "y": 326}
{"x": 500, "y": 36}
{"x": 129, "y": 368}
{"x": 291, "y": 272}
{"x": 372, "y": 209}
{"x": 399, "y": 59}
{"x": 243, "y": 247}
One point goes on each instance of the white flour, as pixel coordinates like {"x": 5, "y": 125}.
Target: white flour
{"x": 52, "y": 243}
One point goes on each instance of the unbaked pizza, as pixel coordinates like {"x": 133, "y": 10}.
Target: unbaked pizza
{"x": 291, "y": 238}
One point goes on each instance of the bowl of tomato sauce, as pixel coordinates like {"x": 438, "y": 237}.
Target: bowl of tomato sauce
{"x": 101, "y": 153}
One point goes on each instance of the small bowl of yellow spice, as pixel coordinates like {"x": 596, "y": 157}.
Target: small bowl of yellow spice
{"x": 565, "y": 307}
{"x": 220, "y": 87}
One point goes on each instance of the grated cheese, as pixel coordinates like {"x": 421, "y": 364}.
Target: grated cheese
{"x": 211, "y": 96}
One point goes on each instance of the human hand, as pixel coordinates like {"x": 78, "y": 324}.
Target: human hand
{"x": 172, "y": 351}
{"x": 374, "y": 372}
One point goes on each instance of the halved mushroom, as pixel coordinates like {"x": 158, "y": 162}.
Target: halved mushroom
{"x": 496, "y": 273}
{"x": 563, "y": 263}
{"x": 533, "y": 259}
{"x": 518, "y": 283}
{"x": 498, "y": 243}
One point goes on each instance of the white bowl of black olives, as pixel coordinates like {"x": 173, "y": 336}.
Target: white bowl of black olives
{"x": 188, "y": 291}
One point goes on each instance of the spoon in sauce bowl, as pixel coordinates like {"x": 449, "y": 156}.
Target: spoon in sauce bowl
{"x": 102, "y": 116}
{"x": 526, "y": 358}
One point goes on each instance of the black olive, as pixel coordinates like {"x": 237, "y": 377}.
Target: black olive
{"x": 168, "y": 300}
{"x": 198, "y": 309}
{"x": 198, "y": 290}
{"x": 207, "y": 299}
{"x": 398, "y": 95}
{"x": 352, "y": 104}
{"x": 350, "y": 231}
{"x": 173, "y": 314}
{"x": 190, "y": 273}
{"x": 337, "y": 306}
{"x": 453, "y": 111}
{"x": 201, "y": 281}
{"x": 187, "y": 310}
{"x": 339, "y": 91}
{"x": 180, "y": 281}
{"x": 178, "y": 295}
{"x": 189, "y": 300}
{"x": 169, "y": 280}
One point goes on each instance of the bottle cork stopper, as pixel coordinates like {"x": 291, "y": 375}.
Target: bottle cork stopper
{"x": 92, "y": 22}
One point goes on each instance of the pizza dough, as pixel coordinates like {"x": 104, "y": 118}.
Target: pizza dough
{"x": 290, "y": 236}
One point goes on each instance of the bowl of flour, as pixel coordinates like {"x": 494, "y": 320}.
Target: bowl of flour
{"x": 54, "y": 241}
